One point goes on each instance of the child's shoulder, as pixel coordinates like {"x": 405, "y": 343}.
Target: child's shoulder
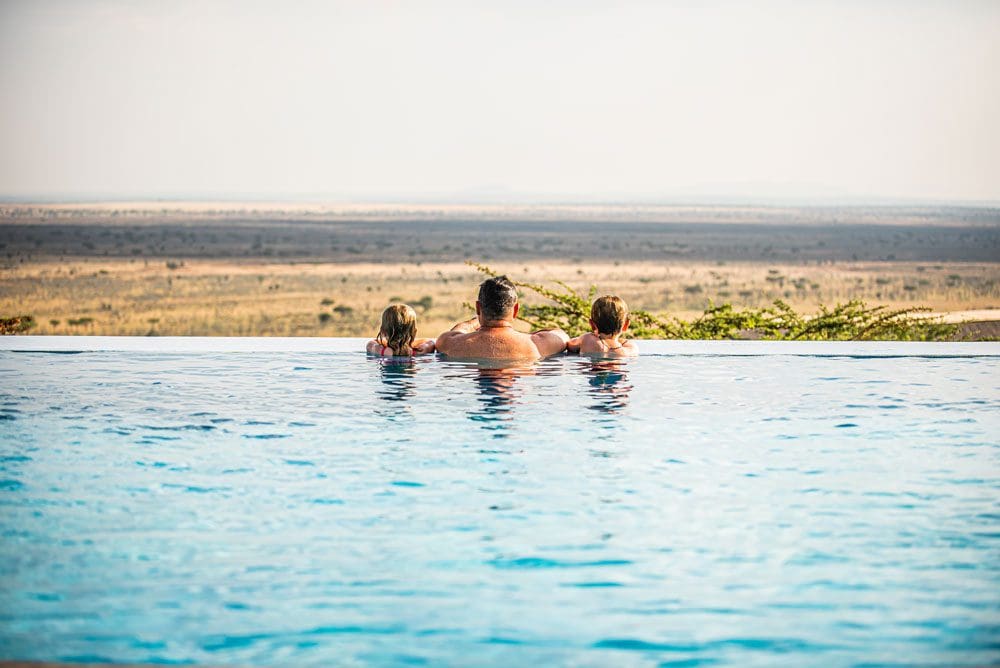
{"x": 590, "y": 343}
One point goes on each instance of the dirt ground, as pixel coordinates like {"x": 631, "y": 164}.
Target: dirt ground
{"x": 258, "y": 271}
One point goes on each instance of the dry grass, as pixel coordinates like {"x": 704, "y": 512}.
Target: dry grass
{"x": 241, "y": 298}
{"x": 281, "y": 269}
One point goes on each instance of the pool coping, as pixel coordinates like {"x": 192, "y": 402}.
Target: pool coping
{"x": 235, "y": 344}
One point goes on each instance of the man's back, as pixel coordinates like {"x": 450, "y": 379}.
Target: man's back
{"x": 489, "y": 343}
{"x": 491, "y": 334}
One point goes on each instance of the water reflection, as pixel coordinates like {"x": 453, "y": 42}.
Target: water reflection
{"x": 498, "y": 395}
{"x": 398, "y": 377}
{"x": 609, "y": 385}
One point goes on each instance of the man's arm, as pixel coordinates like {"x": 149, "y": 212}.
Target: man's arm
{"x": 423, "y": 346}
{"x": 461, "y": 329}
{"x": 550, "y": 341}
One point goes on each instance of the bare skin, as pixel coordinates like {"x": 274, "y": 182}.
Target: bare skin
{"x": 595, "y": 343}
{"x": 420, "y": 347}
{"x": 481, "y": 338}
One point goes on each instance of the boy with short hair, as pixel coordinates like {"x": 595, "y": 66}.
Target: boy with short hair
{"x": 608, "y": 320}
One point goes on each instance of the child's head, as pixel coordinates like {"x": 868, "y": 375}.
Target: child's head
{"x": 399, "y": 328}
{"x": 609, "y": 315}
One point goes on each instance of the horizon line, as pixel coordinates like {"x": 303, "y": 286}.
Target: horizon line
{"x": 511, "y": 199}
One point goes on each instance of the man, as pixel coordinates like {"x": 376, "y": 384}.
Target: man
{"x": 491, "y": 334}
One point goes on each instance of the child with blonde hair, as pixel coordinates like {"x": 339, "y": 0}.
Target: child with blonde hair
{"x": 397, "y": 336}
{"x": 608, "y": 321}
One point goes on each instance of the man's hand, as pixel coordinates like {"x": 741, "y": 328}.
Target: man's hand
{"x": 423, "y": 346}
{"x": 466, "y": 326}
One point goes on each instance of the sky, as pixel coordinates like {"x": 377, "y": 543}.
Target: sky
{"x": 582, "y": 100}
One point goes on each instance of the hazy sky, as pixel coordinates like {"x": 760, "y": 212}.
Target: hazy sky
{"x": 592, "y": 100}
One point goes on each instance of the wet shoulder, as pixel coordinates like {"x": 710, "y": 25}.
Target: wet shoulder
{"x": 490, "y": 345}
{"x": 590, "y": 344}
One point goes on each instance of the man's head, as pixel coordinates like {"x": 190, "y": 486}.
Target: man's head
{"x": 497, "y": 299}
{"x": 609, "y": 315}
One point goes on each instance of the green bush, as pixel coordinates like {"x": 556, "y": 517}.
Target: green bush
{"x": 853, "y": 321}
{"x": 16, "y": 325}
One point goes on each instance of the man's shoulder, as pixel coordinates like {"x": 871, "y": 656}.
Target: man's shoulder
{"x": 550, "y": 341}
{"x": 452, "y": 340}
{"x": 510, "y": 344}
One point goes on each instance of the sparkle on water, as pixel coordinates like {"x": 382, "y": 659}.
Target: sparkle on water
{"x": 291, "y": 508}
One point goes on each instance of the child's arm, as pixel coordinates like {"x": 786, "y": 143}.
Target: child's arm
{"x": 573, "y": 345}
{"x": 423, "y": 346}
{"x": 373, "y": 347}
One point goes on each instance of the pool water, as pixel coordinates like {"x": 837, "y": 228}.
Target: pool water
{"x": 318, "y": 507}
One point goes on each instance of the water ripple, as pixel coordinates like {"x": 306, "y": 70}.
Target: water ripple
{"x": 239, "y": 509}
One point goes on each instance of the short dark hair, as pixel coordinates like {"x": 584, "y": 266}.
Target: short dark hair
{"x": 497, "y": 297}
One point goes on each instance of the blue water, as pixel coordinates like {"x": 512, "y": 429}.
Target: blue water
{"x": 325, "y": 508}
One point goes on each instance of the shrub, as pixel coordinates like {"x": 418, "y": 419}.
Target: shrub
{"x": 854, "y": 320}
{"x": 16, "y": 325}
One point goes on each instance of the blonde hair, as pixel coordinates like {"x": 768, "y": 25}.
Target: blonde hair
{"x": 609, "y": 314}
{"x": 398, "y": 330}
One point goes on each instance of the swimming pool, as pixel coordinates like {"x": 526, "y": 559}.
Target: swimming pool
{"x": 290, "y": 502}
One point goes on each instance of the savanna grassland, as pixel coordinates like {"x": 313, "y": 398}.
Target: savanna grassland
{"x": 310, "y": 270}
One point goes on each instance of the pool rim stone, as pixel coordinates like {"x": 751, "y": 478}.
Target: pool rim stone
{"x": 647, "y": 347}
